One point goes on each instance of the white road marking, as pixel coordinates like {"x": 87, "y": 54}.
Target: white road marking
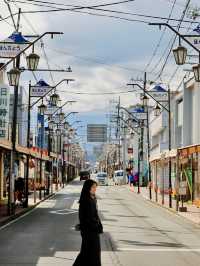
{"x": 63, "y": 211}
{"x": 17, "y": 219}
{"x": 75, "y": 205}
{"x": 160, "y": 249}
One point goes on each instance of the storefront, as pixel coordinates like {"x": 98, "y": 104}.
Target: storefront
{"x": 189, "y": 170}
{"x": 160, "y": 172}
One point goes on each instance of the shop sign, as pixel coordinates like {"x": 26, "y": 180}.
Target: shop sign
{"x": 4, "y": 110}
{"x": 195, "y": 41}
{"x": 160, "y": 96}
{"x": 191, "y": 150}
{"x": 182, "y": 188}
{"x": 13, "y": 45}
{"x": 38, "y": 91}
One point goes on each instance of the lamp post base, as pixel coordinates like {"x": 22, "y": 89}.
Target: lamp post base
{"x": 182, "y": 209}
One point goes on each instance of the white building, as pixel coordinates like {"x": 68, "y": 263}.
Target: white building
{"x": 191, "y": 111}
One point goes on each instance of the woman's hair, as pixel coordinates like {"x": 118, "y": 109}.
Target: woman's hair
{"x": 85, "y": 193}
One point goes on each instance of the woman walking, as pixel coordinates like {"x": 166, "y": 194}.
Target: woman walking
{"x": 90, "y": 227}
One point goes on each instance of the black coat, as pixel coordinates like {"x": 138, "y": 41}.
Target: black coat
{"x": 88, "y": 217}
{"x": 91, "y": 227}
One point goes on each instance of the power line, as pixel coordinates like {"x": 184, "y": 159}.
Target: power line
{"x": 106, "y": 10}
{"x": 97, "y": 61}
{"x": 160, "y": 39}
{"x": 96, "y": 14}
{"x": 98, "y": 93}
{"x": 42, "y": 46}
{"x": 70, "y": 9}
{"x": 11, "y": 15}
{"x": 174, "y": 39}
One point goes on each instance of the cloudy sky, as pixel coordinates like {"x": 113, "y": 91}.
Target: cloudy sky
{"x": 103, "y": 52}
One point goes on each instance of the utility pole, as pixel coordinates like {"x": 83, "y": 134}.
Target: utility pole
{"x": 124, "y": 152}
{"x": 148, "y": 140}
{"x": 118, "y": 132}
{"x": 139, "y": 158}
{"x": 11, "y": 194}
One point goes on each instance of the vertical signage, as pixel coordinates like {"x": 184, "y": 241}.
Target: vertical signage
{"x": 40, "y": 141}
{"x": 4, "y": 110}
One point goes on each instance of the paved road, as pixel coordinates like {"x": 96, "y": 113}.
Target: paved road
{"x": 136, "y": 232}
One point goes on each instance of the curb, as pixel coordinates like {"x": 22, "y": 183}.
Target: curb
{"x": 172, "y": 211}
{"x": 15, "y": 216}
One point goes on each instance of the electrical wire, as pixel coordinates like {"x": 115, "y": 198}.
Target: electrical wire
{"x": 10, "y": 11}
{"x": 160, "y": 39}
{"x": 42, "y": 46}
{"x": 98, "y": 93}
{"x": 96, "y": 14}
{"x": 112, "y": 11}
{"x": 96, "y": 60}
{"x": 174, "y": 39}
{"x": 75, "y": 7}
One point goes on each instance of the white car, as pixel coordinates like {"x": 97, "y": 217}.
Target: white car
{"x": 102, "y": 178}
{"x": 118, "y": 177}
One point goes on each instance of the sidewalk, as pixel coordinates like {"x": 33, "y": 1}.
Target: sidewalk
{"x": 32, "y": 202}
{"x": 192, "y": 214}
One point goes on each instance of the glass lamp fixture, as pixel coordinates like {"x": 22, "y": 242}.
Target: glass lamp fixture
{"x": 180, "y": 54}
{"x": 32, "y": 61}
{"x": 42, "y": 108}
{"x": 196, "y": 70}
{"x": 13, "y": 76}
{"x": 157, "y": 110}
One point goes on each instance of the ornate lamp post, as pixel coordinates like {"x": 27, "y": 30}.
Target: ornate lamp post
{"x": 13, "y": 76}
{"x": 196, "y": 70}
{"x": 54, "y": 98}
{"x": 180, "y": 55}
{"x": 42, "y": 108}
{"x": 157, "y": 110}
{"x": 32, "y": 61}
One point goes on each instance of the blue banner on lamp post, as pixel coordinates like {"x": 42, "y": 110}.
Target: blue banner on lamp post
{"x": 40, "y": 138}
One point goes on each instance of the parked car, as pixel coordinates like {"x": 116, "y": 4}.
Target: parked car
{"x": 84, "y": 175}
{"x": 118, "y": 177}
{"x": 102, "y": 178}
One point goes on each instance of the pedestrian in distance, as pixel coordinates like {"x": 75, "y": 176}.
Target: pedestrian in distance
{"x": 90, "y": 227}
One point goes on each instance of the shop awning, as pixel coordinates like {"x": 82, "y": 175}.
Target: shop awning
{"x": 5, "y": 144}
{"x": 164, "y": 155}
{"x": 22, "y": 149}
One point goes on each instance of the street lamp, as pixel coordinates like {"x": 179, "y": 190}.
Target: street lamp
{"x": 32, "y": 61}
{"x": 51, "y": 124}
{"x": 61, "y": 116}
{"x": 58, "y": 131}
{"x": 157, "y": 110}
{"x": 145, "y": 100}
{"x": 180, "y": 54}
{"x": 132, "y": 134}
{"x": 196, "y": 70}
{"x": 13, "y": 76}
{"x": 54, "y": 98}
{"x": 42, "y": 108}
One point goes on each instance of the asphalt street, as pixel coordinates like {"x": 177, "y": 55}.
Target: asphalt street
{"x": 137, "y": 233}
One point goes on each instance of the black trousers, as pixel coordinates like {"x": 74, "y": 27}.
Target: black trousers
{"x": 90, "y": 253}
